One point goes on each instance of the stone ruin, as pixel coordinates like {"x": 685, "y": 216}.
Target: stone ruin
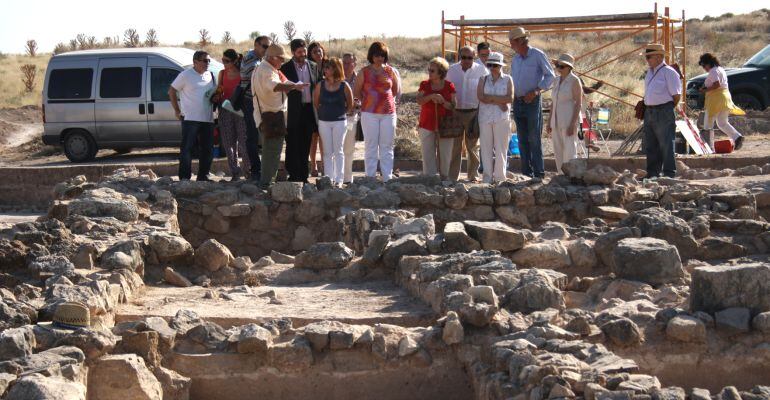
{"x": 593, "y": 285}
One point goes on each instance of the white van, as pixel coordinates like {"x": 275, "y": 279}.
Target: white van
{"x": 113, "y": 99}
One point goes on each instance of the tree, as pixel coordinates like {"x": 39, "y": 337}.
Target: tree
{"x": 91, "y": 42}
{"x": 274, "y": 38}
{"x": 254, "y": 35}
{"x": 289, "y": 30}
{"x": 308, "y": 35}
{"x": 28, "y": 72}
{"x": 73, "y": 44}
{"x": 204, "y": 38}
{"x": 227, "y": 38}
{"x": 60, "y": 48}
{"x": 152, "y": 38}
{"x": 131, "y": 38}
{"x": 31, "y": 47}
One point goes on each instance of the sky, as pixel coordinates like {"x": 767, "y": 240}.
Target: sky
{"x": 177, "y": 22}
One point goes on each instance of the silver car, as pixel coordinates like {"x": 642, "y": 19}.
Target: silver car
{"x": 113, "y": 99}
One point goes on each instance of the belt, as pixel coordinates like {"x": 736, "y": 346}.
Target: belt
{"x": 664, "y": 105}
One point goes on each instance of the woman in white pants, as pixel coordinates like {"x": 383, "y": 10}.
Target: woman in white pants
{"x": 495, "y": 92}
{"x": 377, "y": 89}
{"x": 436, "y": 98}
{"x": 333, "y": 100}
{"x": 719, "y": 104}
{"x": 567, "y": 100}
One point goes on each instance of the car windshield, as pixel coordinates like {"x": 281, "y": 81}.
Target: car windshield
{"x": 761, "y": 59}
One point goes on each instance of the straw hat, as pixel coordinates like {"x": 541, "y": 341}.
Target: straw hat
{"x": 566, "y": 59}
{"x": 69, "y": 315}
{"x": 518, "y": 32}
{"x": 654, "y": 48}
{"x": 495, "y": 58}
{"x": 275, "y": 50}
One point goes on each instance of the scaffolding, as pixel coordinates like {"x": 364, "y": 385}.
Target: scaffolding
{"x": 669, "y": 31}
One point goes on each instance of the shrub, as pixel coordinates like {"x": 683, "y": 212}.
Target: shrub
{"x": 131, "y": 38}
{"x": 31, "y": 47}
{"x": 152, "y": 38}
{"x": 28, "y": 72}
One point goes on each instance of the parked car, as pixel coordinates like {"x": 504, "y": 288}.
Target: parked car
{"x": 112, "y": 99}
{"x": 749, "y": 84}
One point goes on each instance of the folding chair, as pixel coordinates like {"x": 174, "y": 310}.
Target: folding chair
{"x": 603, "y": 126}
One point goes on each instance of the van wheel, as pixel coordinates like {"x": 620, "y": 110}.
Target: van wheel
{"x": 79, "y": 146}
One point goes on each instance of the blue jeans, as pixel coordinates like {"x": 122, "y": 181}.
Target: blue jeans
{"x": 202, "y": 134}
{"x": 529, "y": 127}
{"x": 659, "y": 135}
{"x": 252, "y": 138}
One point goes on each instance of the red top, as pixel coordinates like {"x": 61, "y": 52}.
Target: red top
{"x": 229, "y": 84}
{"x": 377, "y": 93}
{"x": 428, "y": 110}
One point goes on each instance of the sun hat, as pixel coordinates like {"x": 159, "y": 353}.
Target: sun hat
{"x": 275, "y": 50}
{"x": 495, "y": 58}
{"x": 565, "y": 59}
{"x": 653, "y": 48}
{"x": 518, "y": 32}
{"x": 69, "y": 315}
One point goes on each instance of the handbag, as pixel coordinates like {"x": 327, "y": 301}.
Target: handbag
{"x": 236, "y": 99}
{"x": 273, "y": 123}
{"x": 640, "y": 106}
{"x": 449, "y": 125}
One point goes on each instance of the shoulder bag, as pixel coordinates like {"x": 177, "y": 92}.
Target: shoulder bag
{"x": 449, "y": 125}
{"x": 640, "y": 107}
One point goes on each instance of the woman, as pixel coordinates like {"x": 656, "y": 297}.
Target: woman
{"x": 232, "y": 127}
{"x": 563, "y": 120}
{"x": 436, "y": 97}
{"x": 333, "y": 99}
{"x": 495, "y": 92}
{"x": 377, "y": 87}
{"x": 719, "y": 104}
{"x": 318, "y": 55}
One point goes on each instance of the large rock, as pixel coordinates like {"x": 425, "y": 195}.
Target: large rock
{"x": 685, "y": 328}
{"x": 548, "y": 254}
{"x": 13, "y": 254}
{"x": 169, "y": 247}
{"x": 648, "y": 260}
{"x": 126, "y": 254}
{"x": 16, "y": 342}
{"x": 456, "y": 239}
{"x": 332, "y": 255}
{"x": 175, "y": 386}
{"x": 175, "y": 278}
{"x": 715, "y": 288}
{"x": 254, "y": 339}
{"x": 418, "y": 226}
{"x": 535, "y": 292}
{"x": 123, "y": 376}
{"x": 606, "y": 243}
{"x": 39, "y": 387}
{"x": 622, "y": 332}
{"x": 733, "y": 320}
{"x": 409, "y": 245}
{"x": 213, "y": 255}
{"x": 453, "y": 332}
{"x": 661, "y": 224}
{"x": 600, "y": 175}
{"x": 286, "y": 192}
{"x": 495, "y": 235}
{"x": 761, "y": 322}
{"x": 105, "y": 202}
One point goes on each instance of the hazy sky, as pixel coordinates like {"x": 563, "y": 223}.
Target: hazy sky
{"x": 49, "y": 21}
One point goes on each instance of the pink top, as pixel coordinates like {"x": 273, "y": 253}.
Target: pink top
{"x": 377, "y": 93}
{"x": 229, "y": 84}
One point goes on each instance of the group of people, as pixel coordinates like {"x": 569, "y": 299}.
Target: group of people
{"x": 307, "y": 100}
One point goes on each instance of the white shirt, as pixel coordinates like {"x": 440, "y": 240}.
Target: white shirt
{"x": 263, "y": 81}
{"x": 491, "y": 113}
{"x": 661, "y": 85}
{"x": 195, "y": 91}
{"x": 466, "y": 83}
{"x": 717, "y": 74}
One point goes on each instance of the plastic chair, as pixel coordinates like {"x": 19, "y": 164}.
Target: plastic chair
{"x": 603, "y": 126}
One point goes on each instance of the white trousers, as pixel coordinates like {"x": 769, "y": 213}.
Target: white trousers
{"x": 494, "y": 138}
{"x": 379, "y": 131}
{"x": 349, "y": 148}
{"x": 722, "y": 123}
{"x": 333, "y": 137}
{"x": 564, "y": 147}
{"x": 431, "y": 156}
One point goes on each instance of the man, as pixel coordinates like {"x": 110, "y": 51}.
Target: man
{"x": 465, "y": 76}
{"x": 532, "y": 74}
{"x": 301, "y": 114}
{"x": 269, "y": 87}
{"x": 483, "y": 51}
{"x": 250, "y": 61}
{"x": 662, "y": 92}
{"x": 349, "y": 147}
{"x": 195, "y": 86}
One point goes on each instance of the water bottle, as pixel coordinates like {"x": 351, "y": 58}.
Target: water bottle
{"x": 513, "y": 146}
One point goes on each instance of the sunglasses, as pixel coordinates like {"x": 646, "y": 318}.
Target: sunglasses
{"x": 378, "y": 55}
{"x": 560, "y": 66}
{"x": 493, "y": 66}
{"x": 204, "y": 60}
{"x": 466, "y": 58}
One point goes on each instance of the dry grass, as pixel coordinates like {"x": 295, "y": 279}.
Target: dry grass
{"x": 733, "y": 38}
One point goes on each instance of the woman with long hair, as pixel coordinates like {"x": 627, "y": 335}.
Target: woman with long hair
{"x": 232, "y": 127}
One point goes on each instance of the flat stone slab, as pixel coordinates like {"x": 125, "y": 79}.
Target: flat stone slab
{"x": 365, "y": 303}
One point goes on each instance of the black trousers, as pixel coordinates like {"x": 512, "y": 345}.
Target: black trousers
{"x": 200, "y": 134}
{"x": 300, "y": 129}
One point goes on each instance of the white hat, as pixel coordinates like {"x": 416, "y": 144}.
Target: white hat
{"x": 495, "y": 58}
{"x": 566, "y": 59}
{"x": 517, "y": 32}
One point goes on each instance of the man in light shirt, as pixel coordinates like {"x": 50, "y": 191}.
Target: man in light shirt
{"x": 662, "y": 92}
{"x": 465, "y": 76}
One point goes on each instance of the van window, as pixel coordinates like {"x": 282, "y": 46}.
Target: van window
{"x": 120, "y": 83}
{"x": 70, "y": 83}
{"x": 160, "y": 82}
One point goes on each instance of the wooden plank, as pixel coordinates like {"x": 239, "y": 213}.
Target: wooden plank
{"x": 553, "y": 20}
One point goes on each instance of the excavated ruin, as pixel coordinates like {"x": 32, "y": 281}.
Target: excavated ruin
{"x": 592, "y": 285}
